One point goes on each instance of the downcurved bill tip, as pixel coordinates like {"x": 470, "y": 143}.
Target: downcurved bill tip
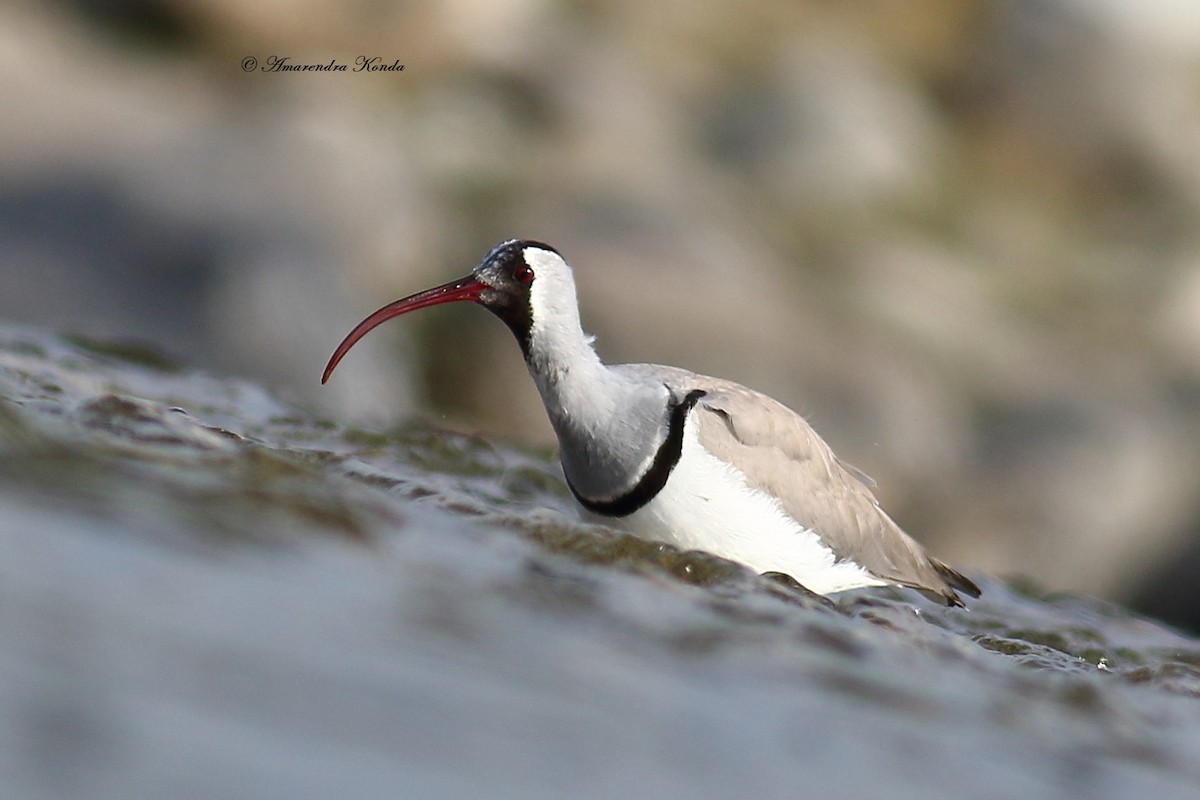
{"x": 463, "y": 289}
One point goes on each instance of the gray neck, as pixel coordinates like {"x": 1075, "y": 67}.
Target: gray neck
{"x": 608, "y": 425}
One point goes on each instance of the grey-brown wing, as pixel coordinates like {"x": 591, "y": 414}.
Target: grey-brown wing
{"x": 782, "y": 455}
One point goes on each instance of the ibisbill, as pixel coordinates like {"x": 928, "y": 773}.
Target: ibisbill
{"x": 672, "y": 456}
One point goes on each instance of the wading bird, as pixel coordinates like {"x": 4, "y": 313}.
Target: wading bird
{"x": 673, "y": 456}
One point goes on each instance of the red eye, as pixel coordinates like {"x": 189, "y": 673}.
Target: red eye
{"x": 523, "y": 274}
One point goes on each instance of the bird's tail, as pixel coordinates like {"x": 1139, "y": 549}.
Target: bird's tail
{"x": 956, "y": 580}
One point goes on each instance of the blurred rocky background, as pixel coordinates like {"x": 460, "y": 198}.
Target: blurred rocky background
{"x": 961, "y": 236}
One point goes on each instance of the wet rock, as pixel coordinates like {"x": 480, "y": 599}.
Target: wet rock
{"x": 206, "y": 588}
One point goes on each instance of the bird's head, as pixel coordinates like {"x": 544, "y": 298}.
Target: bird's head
{"x": 527, "y": 284}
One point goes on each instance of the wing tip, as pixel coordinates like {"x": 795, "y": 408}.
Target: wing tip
{"x": 955, "y": 580}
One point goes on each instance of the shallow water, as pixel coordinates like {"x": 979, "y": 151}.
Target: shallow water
{"x": 206, "y": 591}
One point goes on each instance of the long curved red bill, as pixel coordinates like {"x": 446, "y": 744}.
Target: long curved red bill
{"x": 467, "y": 288}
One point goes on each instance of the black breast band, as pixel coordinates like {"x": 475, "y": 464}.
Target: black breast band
{"x": 654, "y": 478}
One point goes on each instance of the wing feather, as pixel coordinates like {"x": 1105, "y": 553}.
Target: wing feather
{"x": 781, "y": 455}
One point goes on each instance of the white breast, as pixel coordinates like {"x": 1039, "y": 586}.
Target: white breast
{"x": 707, "y": 505}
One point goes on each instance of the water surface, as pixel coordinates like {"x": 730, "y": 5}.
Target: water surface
{"x": 207, "y": 591}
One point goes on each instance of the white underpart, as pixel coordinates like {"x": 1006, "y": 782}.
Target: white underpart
{"x": 707, "y": 505}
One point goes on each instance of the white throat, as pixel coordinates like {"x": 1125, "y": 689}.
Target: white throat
{"x": 562, "y": 361}
{"x": 608, "y": 425}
